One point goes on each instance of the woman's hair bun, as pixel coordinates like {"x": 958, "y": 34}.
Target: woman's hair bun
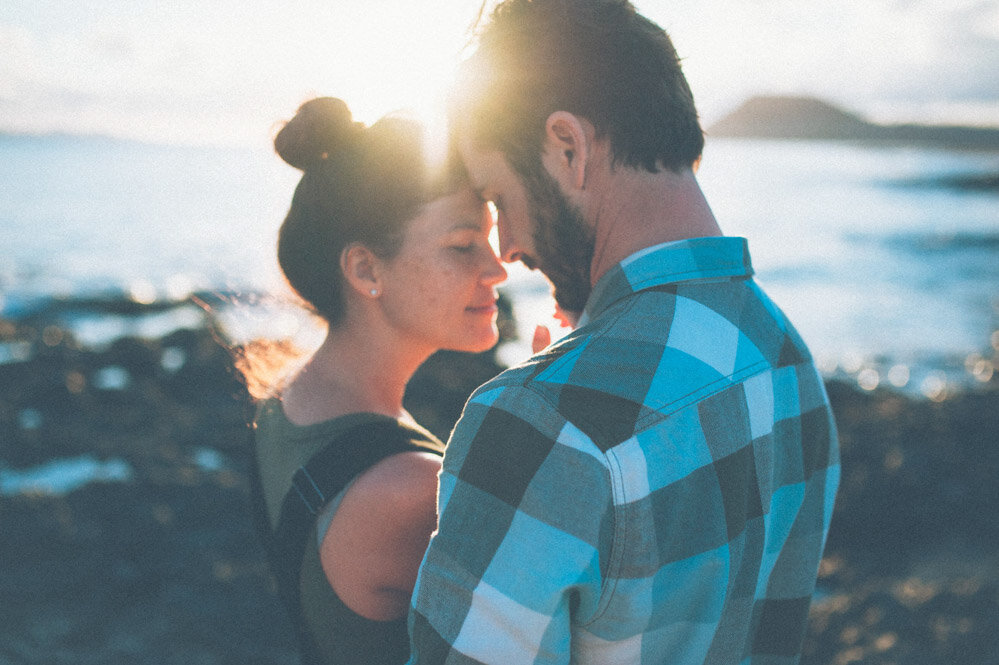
{"x": 321, "y": 127}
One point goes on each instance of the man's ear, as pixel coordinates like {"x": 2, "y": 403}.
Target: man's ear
{"x": 362, "y": 270}
{"x": 567, "y": 148}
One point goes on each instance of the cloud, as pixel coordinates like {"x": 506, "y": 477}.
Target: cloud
{"x": 228, "y": 68}
{"x": 136, "y": 71}
{"x": 916, "y": 54}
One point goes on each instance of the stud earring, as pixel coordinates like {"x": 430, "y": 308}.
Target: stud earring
{"x": 373, "y": 292}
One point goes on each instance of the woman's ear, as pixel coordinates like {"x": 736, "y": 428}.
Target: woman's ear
{"x": 362, "y": 270}
{"x": 567, "y": 148}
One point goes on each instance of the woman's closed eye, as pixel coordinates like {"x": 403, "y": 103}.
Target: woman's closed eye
{"x": 467, "y": 241}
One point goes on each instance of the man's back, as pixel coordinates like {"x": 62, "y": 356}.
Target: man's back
{"x": 655, "y": 488}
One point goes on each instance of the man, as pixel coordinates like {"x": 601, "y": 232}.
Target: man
{"x": 657, "y": 486}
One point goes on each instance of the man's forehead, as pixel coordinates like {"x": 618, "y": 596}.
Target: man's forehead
{"x": 485, "y": 166}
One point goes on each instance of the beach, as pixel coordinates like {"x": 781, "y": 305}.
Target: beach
{"x": 128, "y": 539}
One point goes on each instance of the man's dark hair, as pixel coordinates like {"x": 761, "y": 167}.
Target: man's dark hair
{"x": 598, "y": 59}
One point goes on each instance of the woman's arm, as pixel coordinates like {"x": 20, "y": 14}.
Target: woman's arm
{"x": 377, "y": 538}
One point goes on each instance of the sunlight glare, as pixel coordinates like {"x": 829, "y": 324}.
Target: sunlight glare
{"x": 899, "y": 375}
{"x": 934, "y": 386}
{"x": 868, "y": 379}
{"x": 142, "y": 291}
{"x": 494, "y": 231}
{"x": 399, "y": 59}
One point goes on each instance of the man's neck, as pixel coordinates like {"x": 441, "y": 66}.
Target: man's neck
{"x": 634, "y": 209}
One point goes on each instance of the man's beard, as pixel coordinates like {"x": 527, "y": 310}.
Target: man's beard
{"x": 562, "y": 244}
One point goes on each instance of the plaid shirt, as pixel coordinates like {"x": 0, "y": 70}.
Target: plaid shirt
{"x": 654, "y": 488}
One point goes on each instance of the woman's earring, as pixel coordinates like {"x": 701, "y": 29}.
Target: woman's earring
{"x": 373, "y": 292}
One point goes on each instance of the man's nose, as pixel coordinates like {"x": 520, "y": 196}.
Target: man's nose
{"x": 508, "y": 249}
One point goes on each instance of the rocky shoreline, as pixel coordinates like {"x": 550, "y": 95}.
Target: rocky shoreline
{"x": 159, "y": 562}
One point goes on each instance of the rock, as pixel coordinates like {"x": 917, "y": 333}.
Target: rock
{"x": 165, "y": 566}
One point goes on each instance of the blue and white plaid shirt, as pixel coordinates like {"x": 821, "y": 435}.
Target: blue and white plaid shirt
{"x": 654, "y": 488}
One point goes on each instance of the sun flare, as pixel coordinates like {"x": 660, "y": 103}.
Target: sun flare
{"x": 400, "y": 59}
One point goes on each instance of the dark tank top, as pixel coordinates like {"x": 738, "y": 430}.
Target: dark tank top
{"x": 298, "y": 472}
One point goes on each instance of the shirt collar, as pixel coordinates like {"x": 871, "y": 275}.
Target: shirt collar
{"x": 681, "y": 261}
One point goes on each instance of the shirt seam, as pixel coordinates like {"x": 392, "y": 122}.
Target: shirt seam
{"x": 731, "y": 271}
{"x": 609, "y": 584}
{"x": 728, "y": 268}
{"x": 618, "y": 543}
{"x": 702, "y": 393}
{"x": 609, "y": 299}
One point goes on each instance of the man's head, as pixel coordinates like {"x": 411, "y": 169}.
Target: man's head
{"x": 596, "y": 60}
{"x": 537, "y": 224}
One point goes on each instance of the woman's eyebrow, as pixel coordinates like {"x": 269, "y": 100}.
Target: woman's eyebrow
{"x": 467, "y": 225}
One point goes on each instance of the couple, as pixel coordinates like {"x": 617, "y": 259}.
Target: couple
{"x": 656, "y": 487}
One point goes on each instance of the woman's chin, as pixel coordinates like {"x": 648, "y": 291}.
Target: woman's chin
{"x": 478, "y": 342}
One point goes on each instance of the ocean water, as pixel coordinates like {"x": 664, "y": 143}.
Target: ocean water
{"x": 882, "y": 264}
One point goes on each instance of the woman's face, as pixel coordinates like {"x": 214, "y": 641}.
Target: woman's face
{"x": 439, "y": 290}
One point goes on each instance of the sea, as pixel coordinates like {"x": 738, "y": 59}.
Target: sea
{"x": 885, "y": 257}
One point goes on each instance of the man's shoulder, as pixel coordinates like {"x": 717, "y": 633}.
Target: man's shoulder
{"x": 654, "y": 353}
{"x": 524, "y": 385}
{"x": 590, "y": 379}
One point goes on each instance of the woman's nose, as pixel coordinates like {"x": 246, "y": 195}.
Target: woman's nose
{"x": 494, "y": 272}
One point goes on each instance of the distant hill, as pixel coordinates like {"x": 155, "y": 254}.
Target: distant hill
{"x": 810, "y": 118}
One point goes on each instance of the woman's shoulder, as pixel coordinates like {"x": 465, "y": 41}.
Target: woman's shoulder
{"x": 401, "y": 477}
{"x": 371, "y": 550}
{"x": 274, "y": 412}
{"x": 408, "y": 472}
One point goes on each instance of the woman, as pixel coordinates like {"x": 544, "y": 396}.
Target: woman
{"x": 396, "y": 259}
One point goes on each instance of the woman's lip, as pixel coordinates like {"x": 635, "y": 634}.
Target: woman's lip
{"x": 484, "y": 309}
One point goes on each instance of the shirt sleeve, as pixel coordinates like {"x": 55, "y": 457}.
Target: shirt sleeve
{"x": 525, "y": 530}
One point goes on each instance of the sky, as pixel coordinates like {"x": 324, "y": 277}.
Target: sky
{"x": 228, "y": 71}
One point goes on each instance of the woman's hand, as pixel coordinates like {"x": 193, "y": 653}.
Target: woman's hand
{"x": 543, "y": 336}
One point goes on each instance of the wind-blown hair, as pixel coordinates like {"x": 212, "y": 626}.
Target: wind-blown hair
{"x": 598, "y": 59}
